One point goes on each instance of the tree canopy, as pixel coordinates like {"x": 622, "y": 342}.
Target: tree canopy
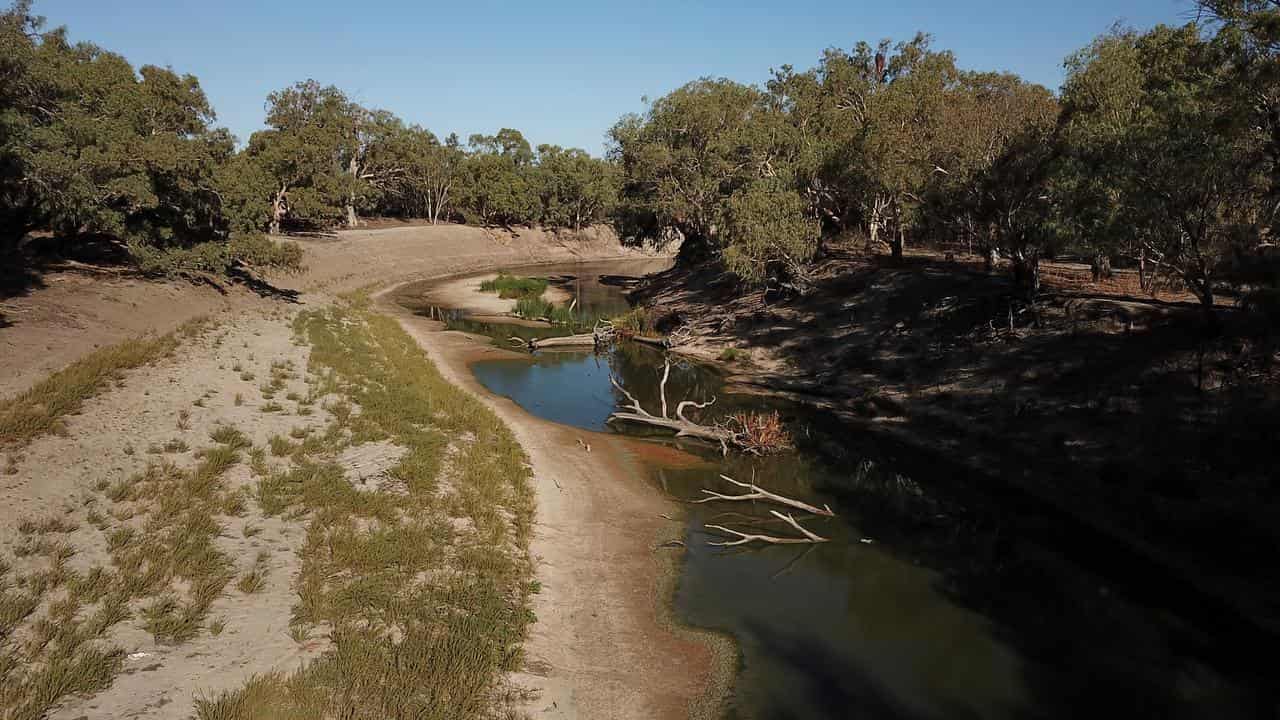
{"x": 1162, "y": 149}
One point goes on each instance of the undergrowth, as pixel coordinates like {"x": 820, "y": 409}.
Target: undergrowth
{"x": 511, "y": 286}
{"x": 422, "y": 585}
{"x": 164, "y": 560}
{"x": 40, "y": 410}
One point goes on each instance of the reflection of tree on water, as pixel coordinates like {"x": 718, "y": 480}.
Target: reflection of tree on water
{"x": 962, "y": 607}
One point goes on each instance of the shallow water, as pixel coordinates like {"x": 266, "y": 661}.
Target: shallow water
{"x": 931, "y": 600}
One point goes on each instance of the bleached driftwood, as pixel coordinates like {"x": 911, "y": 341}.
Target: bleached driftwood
{"x": 759, "y": 493}
{"x": 602, "y": 334}
{"x": 745, "y": 538}
{"x": 679, "y": 336}
{"x": 683, "y": 426}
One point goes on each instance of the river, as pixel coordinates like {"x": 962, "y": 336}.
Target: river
{"x": 933, "y": 599}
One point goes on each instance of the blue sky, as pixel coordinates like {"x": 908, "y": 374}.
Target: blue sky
{"x": 559, "y": 72}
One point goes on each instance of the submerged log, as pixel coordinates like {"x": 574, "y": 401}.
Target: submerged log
{"x": 601, "y": 335}
{"x": 661, "y": 342}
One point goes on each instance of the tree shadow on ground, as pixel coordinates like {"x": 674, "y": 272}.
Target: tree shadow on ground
{"x": 23, "y": 269}
{"x": 262, "y": 287}
{"x": 1153, "y": 429}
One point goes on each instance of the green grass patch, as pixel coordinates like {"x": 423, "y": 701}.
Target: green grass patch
{"x": 40, "y": 410}
{"x": 638, "y": 320}
{"x": 402, "y": 646}
{"x": 513, "y": 286}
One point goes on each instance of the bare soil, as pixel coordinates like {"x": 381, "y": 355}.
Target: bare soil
{"x": 601, "y": 646}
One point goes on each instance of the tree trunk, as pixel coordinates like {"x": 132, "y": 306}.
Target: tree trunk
{"x": 899, "y": 242}
{"x": 1026, "y": 271}
{"x": 1144, "y": 282}
{"x": 278, "y": 210}
{"x": 1101, "y": 266}
{"x": 353, "y": 167}
{"x": 878, "y": 205}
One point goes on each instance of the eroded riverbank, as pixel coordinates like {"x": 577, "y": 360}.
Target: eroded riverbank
{"x": 603, "y": 644}
{"x": 931, "y": 599}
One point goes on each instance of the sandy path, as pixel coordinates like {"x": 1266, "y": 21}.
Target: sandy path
{"x": 601, "y": 647}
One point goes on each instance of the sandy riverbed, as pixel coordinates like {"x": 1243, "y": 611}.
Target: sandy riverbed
{"x": 602, "y": 645}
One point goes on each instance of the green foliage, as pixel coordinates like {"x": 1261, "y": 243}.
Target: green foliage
{"x": 510, "y": 286}
{"x": 768, "y": 226}
{"x": 576, "y": 189}
{"x": 1165, "y": 156}
{"x": 682, "y": 161}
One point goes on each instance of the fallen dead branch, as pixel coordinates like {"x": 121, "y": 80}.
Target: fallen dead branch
{"x": 677, "y": 337}
{"x": 759, "y": 493}
{"x": 745, "y": 538}
{"x": 602, "y": 334}
{"x": 683, "y": 426}
{"x": 753, "y": 433}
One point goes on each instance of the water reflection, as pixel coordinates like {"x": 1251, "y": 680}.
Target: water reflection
{"x": 930, "y": 601}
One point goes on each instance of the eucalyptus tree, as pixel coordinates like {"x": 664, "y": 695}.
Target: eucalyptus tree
{"x": 435, "y": 169}
{"x": 868, "y": 127}
{"x": 1249, "y": 34}
{"x": 312, "y": 130}
{"x": 1164, "y": 112}
{"x": 987, "y": 116}
{"x": 498, "y": 186}
{"x": 377, "y": 160}
{"x": 693, "y": 150}
{"x": 91, "y": 146}
{"x": 576, "y": 189}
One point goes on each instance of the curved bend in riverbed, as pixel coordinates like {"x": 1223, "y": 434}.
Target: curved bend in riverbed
{"x": 931, "y": 599}
{"x": 602, "y": 645}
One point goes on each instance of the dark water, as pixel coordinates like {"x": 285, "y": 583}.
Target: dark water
{"x": 932, "y": 600}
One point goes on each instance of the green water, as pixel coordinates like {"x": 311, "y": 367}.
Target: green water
{"x": 933, "y": 599}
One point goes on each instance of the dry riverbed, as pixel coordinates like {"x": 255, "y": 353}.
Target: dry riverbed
{"x": 274, "y": 505}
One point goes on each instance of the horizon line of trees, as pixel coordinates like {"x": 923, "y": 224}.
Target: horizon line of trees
{"x": 89, "y": 146}
{"x": 1160, "y": 151}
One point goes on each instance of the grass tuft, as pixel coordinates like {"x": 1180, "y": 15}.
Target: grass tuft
{"x": 512, "y": 286}
{"x": 39, "y": 411}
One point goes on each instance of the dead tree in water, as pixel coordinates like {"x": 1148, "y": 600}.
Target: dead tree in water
{"x": 759, "y": 493}
{"x": 723, "y": 433}
{"x": 683, "y": 426}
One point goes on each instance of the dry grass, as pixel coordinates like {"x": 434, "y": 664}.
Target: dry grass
{"x": 402, "y": 646}
{"x": 40, "y": 410}
{"x": 170, "y": 544}
{"x": 762, "y": 433}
